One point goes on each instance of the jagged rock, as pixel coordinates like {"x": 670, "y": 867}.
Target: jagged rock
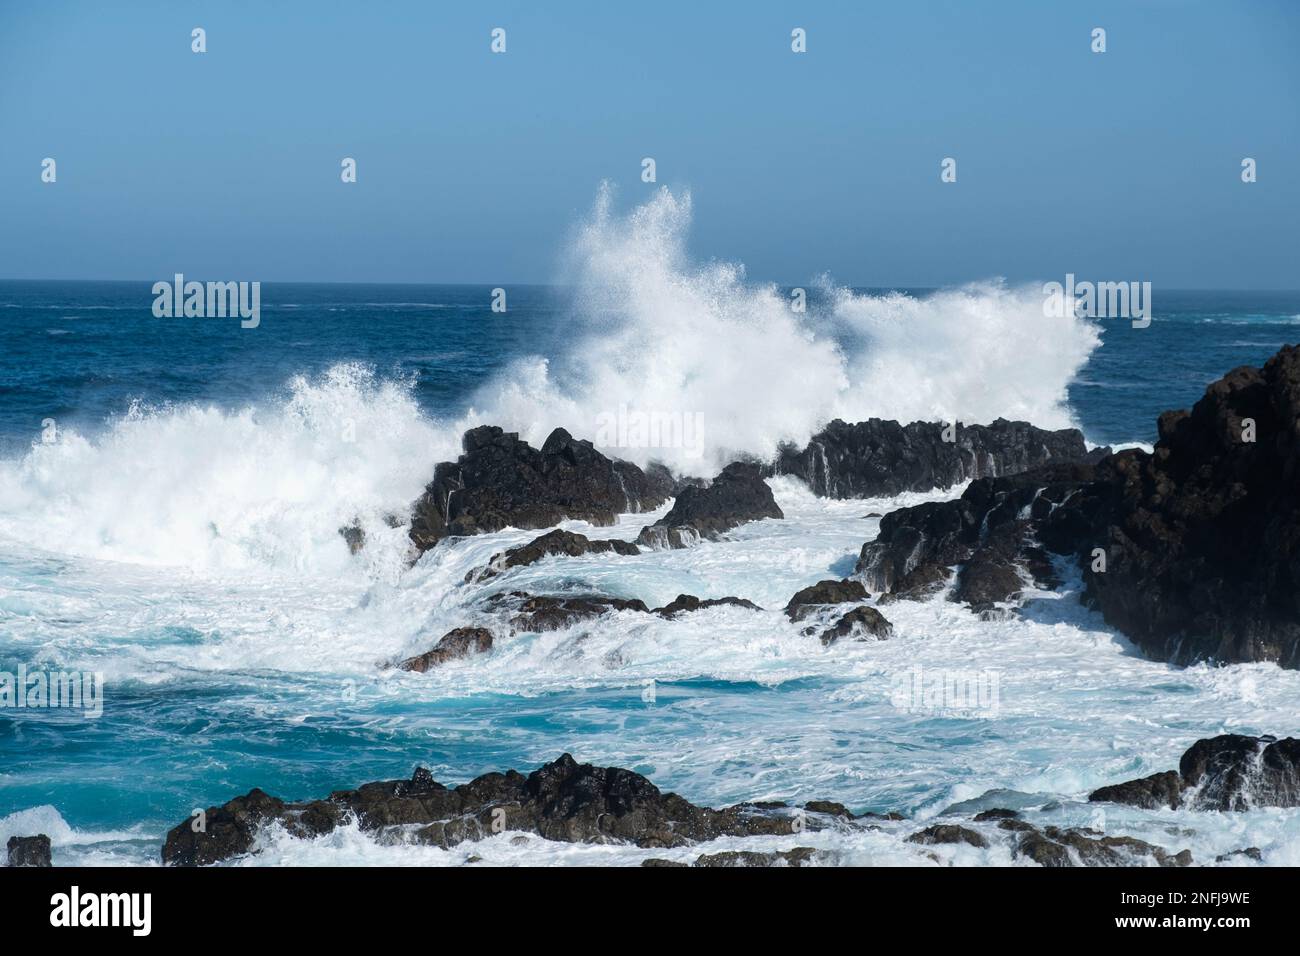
{"x": 562, "y": 800}
{"x": 829, "y": 807}
{"x": 739, "y": 494}
{"x": 355, "y": 536}
{"x": 1229, "y": 772}
{"x": 228, "y": 830}
{"x": 29, "y": 850}
{"x": 1250, "y": 853}
{"x": 862, "y": 623}
{"x": 947, "y": 833}
{"x": 799, "y": 856}
{"x": 552, "y": 543}
{"x": 1150, "y": 793}
{"x": 462, "y": 642}
{"x": 535, "y": 614}
{"x": 879, "y": 458}
{"x": 1202, "y": 536}
{"x": 1042, "y": 851}
{"x": 817, "y": 597}
{"x": 502, "y": 482}
{"x": 991, "y": 532}
{"x": 689, "y": 602}
{"x": 996, "y": 813}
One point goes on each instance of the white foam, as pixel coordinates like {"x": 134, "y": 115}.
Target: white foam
{"x": 658, "y": 333}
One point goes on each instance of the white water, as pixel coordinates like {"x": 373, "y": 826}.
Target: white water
{"x": 661, "y": 334}
{"x": 778, "y": 717}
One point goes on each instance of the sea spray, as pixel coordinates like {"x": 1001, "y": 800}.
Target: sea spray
{"x": 657, "y": 332}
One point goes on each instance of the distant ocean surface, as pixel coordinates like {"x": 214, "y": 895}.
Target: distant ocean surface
{"x": 178, "y": 531}
{"x": 80, "y": 352}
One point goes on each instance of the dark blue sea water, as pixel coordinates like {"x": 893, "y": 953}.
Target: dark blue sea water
{"x": 178, "y": 534}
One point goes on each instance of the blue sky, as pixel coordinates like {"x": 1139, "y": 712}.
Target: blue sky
{"x": 474, "y": 167}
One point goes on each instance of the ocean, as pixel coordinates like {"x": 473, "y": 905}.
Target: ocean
{"x": 171, "y": 492}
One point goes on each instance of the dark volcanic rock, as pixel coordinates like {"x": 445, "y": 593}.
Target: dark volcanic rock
{"x": 996, "y": 813}
{"x": 462, "y": 642}
{"x": 739, "y": 494}
{"x": 1053, "y": 847}
{"x": 862, "y": 623}
{"x": 799, "y": 856}
{"x": 879, "y": 458}
{"x": 29, "y": 850}
{"x": 816, "y": 597}
{"x": 947, "y": 833}
{"x": 502, "y": 482}
{"x": 991, "y": 531}
{"x": 1229, "y": 772}
{"x": 227, "y": 831}
{"x": 1202, "y": 537}
{"x": 1250, "y": 853}
{"x": 552, "y": 543}
{"x": 1150, "y": 793}
{"x": 562, "y": 800}
{"x": 689, "y": 602}
{"x": 355, "y": 536}
{"x": 535, "y": 614}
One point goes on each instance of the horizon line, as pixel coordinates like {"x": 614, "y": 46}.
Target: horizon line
{"x": 552, "y": 285}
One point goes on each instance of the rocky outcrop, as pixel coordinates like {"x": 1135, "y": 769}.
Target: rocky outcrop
{"x": 29, "y": 850}
{"x": 1229, "y": 772}
{"x": 879, "y": 458}
{"x": 551, "y": 544}
{"x": 705, "y": 512}
{"x": 1202, "y": 537}
{"x": 992, "y": 532}
{"x": 948, "y": 833}
{"x": 1193, "y": 550}
{"x": 685, "y": 603}
{"x": 462, "y": 642}
{"x": 563, "y": 800}
{"x": 1062, "y": 847}
{"x": 822, "y": 600}
{"x": 502, "y": 482}
{"x": 863, "y": 623}
{"x": 535, "y": 613}
{"x": 817, "y": 597}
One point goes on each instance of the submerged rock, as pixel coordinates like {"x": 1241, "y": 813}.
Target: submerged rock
{"x": 462, "y": 642}
{"x": 879, "y": 458}
{"x": 948, "y": 833}
{"x": 737, "y": 495}
{"x": 1229, "y": 772}
{"x": 29, "y": 850}
{"x": 684, "y": 603}
{"x": 535, "y": 614}
{"x": 552, "y": 543}
{"x": 799, "y": 856}
{"x": 502, "y": 482}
